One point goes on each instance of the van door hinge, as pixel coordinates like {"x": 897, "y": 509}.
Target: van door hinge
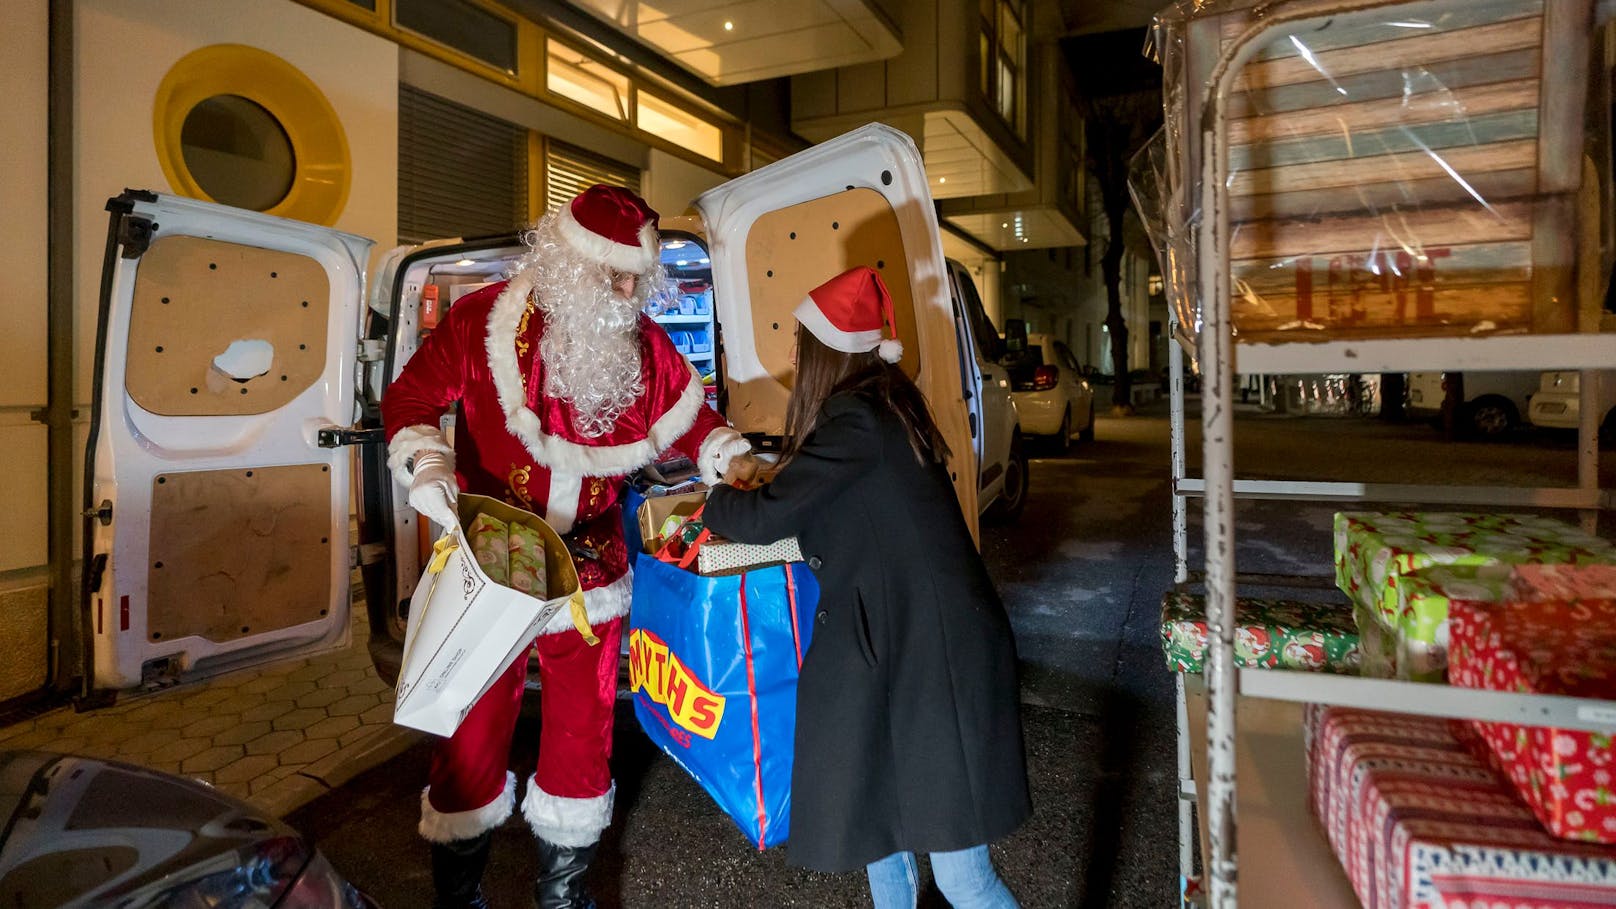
{"x": 102, "y": 513}
{"x": 135, "y": 235}
{"x": 337, "y": 438}
{"x": 372, "y": 350}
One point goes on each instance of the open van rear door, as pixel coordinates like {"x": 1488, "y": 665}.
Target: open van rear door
{"x": 779, "y": 232}
{"x": 216, "y": 528}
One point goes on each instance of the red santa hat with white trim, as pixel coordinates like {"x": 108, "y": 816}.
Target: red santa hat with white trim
{"x": 852, "y": 313}
{"x": 612, "y": 226}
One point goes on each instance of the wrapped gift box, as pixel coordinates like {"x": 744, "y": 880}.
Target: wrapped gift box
{"x": 1377, "y": 555}
{"x": 721, "y": 557}
{"x": 1270, "y": 634}
{"x": 1551, "y": 647}
{"x": 1421, "y": 823}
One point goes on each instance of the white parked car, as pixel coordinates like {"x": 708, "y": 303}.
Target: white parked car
{"x": 1052, "y": 396}
{"x": 1495, "y": 403}
{"x": 1558, "y": 402}
{"x": 238, "y": 363}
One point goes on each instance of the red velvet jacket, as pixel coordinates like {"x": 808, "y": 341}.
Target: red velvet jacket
{"x": 514, "y": 443}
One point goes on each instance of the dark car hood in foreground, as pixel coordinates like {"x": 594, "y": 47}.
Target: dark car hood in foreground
{"x": 89, "y": 832}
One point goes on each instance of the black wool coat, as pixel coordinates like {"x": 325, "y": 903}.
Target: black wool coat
{"x": 908, "y": 721}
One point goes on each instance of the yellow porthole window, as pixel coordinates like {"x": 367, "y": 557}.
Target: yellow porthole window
{"x": 240, "y": 126}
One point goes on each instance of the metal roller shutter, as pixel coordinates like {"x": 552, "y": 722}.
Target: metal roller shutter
{"x": 461, "y": 173}
{"x": 569, "y": 170}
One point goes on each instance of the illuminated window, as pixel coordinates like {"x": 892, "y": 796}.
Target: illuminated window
{"x": 1003, "y": 55}
{"x": 673, "y": 124}
{"x": 572, "y": 75}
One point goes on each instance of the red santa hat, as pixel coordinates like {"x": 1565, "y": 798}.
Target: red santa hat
{"x": 852, "y": 313}
{"x": 612, "y": 226}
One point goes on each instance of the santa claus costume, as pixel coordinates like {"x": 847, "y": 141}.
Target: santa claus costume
{"x": 564, "y": 387}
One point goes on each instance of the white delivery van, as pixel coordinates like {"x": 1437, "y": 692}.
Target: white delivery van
{"x": 237, "y": 402}
{"x": 1495, "y": 403}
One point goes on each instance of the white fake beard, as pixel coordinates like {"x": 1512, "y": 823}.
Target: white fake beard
{"x": 590, "y": 348}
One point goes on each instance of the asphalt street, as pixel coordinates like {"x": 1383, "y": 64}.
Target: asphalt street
{"x": 1082, "y": 574}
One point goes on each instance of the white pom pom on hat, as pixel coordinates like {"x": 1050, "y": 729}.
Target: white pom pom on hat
{"x": 852, "y": 313}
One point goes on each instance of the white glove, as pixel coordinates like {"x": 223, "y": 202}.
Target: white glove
{"x": 433, "y": 490}
{"x": 721, "y": 446}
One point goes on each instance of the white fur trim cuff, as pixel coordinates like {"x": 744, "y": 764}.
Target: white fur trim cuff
{"x": 446, "y": 827}
{"x": 567, "y": 822}
{"x": 411, "y": 441}
{"x": 721, "y": 446}
{"x": 601, "y": 603}
{"x": 608, "y": 252}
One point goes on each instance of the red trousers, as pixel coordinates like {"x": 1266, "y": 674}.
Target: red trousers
{"x": 569, "y": 797}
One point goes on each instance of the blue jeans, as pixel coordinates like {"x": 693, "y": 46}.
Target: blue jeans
{"x": 966, "y": 878}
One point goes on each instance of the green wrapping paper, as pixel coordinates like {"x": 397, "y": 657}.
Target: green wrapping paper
{"x": 527, "y": 561}
{"x": 1269, "y": 634}
{"x": 490, "y": 543}
{"x": 1401, "y": 569}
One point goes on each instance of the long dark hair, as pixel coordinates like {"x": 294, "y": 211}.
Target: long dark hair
{"x": 822, "y": 372}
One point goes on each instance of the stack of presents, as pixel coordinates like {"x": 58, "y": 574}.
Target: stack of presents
{"x": 1427, "y": 812}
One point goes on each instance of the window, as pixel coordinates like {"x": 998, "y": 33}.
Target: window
{"x": 1002, "y": 49}
{"x": 464, "y": 26}
{"x": 461, "y": 173}
{"x": 674, "y": 124}
{"x": 577, "y": 77}
{"x": 238, "y": 152}
{"x": 569, "y": 170}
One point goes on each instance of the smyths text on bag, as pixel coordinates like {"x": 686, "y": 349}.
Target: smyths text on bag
{"x": 692, "y": 705}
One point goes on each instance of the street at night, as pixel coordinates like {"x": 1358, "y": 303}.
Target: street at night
{"x": 1082, "y": 574}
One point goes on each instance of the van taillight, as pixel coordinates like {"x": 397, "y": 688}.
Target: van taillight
{"x": 1045, "y": 378}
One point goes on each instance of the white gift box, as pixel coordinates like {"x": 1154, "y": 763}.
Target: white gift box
{"x": 465, "y": 629}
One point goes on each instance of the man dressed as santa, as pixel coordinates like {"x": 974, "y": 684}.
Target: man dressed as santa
{"x": 564, "y": 388}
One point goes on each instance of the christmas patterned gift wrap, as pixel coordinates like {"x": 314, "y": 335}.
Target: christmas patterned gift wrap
{"x": 1270, "y": 634}
{"x": 1377, "y": 552}
{"x": 1548, "y": 647}
{"x": 1418, "y": 636}
{"x": 1419, "y": 822}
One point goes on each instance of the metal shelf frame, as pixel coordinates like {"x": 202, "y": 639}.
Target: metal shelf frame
{"x": 1219, "y": 355}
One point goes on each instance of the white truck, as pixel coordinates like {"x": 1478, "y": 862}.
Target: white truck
{"x": 236, "y": 422}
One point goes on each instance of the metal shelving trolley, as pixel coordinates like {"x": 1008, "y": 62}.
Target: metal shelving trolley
{"x": 1363, "y": 187}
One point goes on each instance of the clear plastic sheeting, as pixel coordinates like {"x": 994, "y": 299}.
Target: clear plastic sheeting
{"x": 1170, "y": 224}
{"x": 1403, "y": 170}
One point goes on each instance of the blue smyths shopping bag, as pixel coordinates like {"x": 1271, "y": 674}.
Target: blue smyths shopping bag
{"x": 713, "y": 668}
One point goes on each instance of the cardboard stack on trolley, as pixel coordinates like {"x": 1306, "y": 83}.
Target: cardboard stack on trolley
{"x": 1362, "y": 187}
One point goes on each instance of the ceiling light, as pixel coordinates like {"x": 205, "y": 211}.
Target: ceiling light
{"x": 729, "y": 26}
{"x": 465, "y": 262}
{"x": 680, "y": 264}
{"x": 674, "y": 244}
{"x": 942, "y": 179}
{"x": 1005, "y": 224}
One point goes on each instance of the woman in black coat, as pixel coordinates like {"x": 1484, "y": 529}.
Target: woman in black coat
{"x": 908, "y": 723}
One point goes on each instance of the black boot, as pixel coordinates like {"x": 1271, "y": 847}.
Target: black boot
{"x": 561, "y": 876}
{"x": 457, "y": 872}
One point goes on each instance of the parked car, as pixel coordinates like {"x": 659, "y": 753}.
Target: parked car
{"x": 1557, "y": 404}
{"x": 1052, "y": 394}
{"x": 85, "y": 832}
{"x": 225, "y": 415}
{"x": 1494, "y": 402}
